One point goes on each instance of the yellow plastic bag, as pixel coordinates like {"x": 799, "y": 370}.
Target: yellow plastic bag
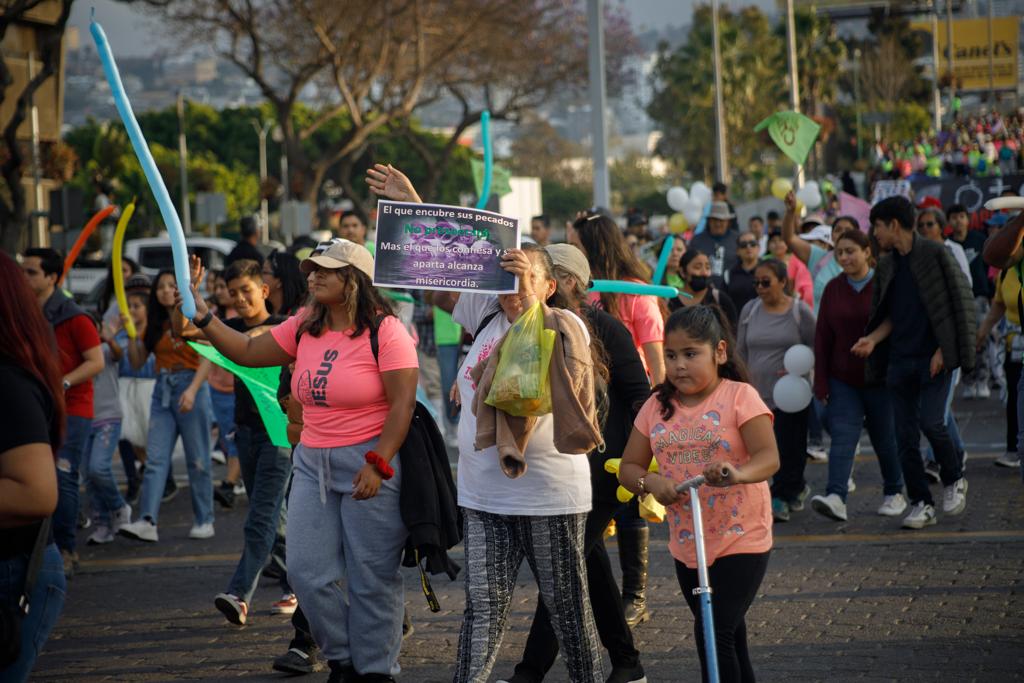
{"x": 521, "y": 385}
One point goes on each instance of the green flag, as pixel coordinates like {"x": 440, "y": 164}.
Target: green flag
{"x": 499, "y": 181}
{"x": 262, "y": 384}
{"x": 793, "y": 132}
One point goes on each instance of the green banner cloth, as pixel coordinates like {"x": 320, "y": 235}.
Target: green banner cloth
{"x": 793, "y": 132}
{"x": 262, "y": 384}
{"x": 499, "y": 180}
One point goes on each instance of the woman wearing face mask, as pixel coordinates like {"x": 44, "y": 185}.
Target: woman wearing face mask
{"x": 839, "y": 382}
{"x": 698, "y": 289}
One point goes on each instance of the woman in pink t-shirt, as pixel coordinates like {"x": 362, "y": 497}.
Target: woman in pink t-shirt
{"x": 343, "y": 510}
{"x": 705, "y": 419}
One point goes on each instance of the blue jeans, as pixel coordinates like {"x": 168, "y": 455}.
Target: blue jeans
{"x": 332, "y": 536}
{"x": 265, "y": 470}
{"x": 448, "y": 361}
{"x": 166, "y": 424}
{"x": 919, "y": 405}
{"x": 65, "y": 517}
{"x": 104, "y": 496}
{"x": 951, "y": 423}
{"x": 45, "y": 605}
{"x": 224, "y": 416}
{"x": 848, "y": 409}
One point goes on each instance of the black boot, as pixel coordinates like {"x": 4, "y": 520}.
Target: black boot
{"x": 633, "y": 560}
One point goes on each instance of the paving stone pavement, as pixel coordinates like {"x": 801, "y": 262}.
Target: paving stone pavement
{"x": 861, "y": 600}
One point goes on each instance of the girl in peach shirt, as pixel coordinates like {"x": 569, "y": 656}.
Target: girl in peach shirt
{"x": 705, "y": 419}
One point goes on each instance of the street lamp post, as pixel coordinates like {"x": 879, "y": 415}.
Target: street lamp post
{"x": 598, "y": 100}
{"x": 186, "y": 212}
{"x": 794, "y": 81}
{"x": 856, "y": 99}
{"x": 262, "y": 130}
{"x": 721, "y": 160}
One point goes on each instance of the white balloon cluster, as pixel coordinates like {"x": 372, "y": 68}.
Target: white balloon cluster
{"x": 810, "y": 195}
{"x": 691, "y": 204}
{"x": 792, "y": 393}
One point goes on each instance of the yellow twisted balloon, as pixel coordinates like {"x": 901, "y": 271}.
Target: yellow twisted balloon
{"x": 118, "y": 272}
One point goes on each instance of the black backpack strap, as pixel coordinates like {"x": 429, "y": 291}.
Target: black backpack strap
{"x": 374, "y": 338}
{"x": 486, "y": 320}
{"x": 34, "y": 563}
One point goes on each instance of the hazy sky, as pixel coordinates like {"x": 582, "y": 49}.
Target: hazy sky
{"x": 134, "y": 32}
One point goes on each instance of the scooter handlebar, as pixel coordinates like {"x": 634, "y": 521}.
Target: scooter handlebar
{"x": 696, "y": 482}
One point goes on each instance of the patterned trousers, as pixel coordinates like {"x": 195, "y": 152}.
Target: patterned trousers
{"x": 496, "y": 546}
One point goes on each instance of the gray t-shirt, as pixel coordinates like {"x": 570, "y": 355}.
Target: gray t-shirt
{"x": 106, "y": 400}
{"x": 763, "y": 339}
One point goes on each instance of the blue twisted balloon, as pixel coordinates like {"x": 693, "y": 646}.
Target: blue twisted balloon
{"x": 156, "y": 182}
{"x": 666, "y": 250}
{"x": 623, "y": 287}
{"x": 485, "y": 137}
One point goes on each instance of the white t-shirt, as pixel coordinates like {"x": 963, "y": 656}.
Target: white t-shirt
{"x": 554, "y": 484}
{"x": 960, "y": 256}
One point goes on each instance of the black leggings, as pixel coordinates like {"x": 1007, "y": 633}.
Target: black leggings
{"x": 734, "y": 582}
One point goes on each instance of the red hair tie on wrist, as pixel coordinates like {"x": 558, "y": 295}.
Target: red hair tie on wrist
{"x": 382, "y": 466}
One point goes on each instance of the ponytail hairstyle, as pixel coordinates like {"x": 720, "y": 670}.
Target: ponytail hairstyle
{"x": 704, "y": 324}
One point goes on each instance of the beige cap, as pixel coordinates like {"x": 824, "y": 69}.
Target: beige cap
{"x": 341, "y": 253}
{"x": 572, "y": 259}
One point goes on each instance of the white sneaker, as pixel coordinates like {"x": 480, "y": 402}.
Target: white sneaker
{"x": 140, "y": 530}
{"x": 816, "y": 452}
{"x": 851, "y": 485}
{"x": 832, "y": 506}
{"x": 1008, "y": 459}
{"x": 893, "y": 506}
{"x": 120, "y": 518}
{"x": 982, "y": 391}
{"x": 954, "y": 497}
{"x": 921, "y": 515}
{"x": 101, "y": 536}
{"x": 201, "y": 531}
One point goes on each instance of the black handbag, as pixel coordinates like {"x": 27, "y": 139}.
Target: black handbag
{"x": 11, "y": 618}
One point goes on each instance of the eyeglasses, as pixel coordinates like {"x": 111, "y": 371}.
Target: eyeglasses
{"x": 927, "y": 224}
{"x": 763, "y": 283}
{"x": 745, "y": 245}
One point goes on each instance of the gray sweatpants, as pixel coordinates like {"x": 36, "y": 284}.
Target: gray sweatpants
{"x": 333, "y": 538}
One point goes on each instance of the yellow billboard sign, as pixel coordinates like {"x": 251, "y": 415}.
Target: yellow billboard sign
{"x": 971, "y": 52}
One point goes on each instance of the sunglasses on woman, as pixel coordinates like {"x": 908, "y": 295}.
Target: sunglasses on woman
{"x": 745, "y": 245}
{"x": 763, "y": 283}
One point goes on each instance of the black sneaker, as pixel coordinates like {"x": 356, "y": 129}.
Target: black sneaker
{"x": 931, "y": 470}
{"x": 225, "y": 494}
{"x": 170, "y": 490}
{"x": 297, "y": 661}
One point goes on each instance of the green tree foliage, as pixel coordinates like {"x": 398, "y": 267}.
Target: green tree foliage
{"x": 683, "y": 101}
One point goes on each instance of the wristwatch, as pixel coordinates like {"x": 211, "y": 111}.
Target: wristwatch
{"x": 640, "y": 484}
{"x": 67, "y": 384}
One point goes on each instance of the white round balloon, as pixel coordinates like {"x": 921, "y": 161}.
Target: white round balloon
{"x": 791, "y": 394}
{"x": 677, "y": 198}
{"x": 700, "y": 192}
{"x": 809, "y": 196}
{"x": 799, "y": 360}
{"x": 692, "y": 211}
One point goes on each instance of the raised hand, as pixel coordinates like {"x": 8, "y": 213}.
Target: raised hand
{"x": 387, "y": 181}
